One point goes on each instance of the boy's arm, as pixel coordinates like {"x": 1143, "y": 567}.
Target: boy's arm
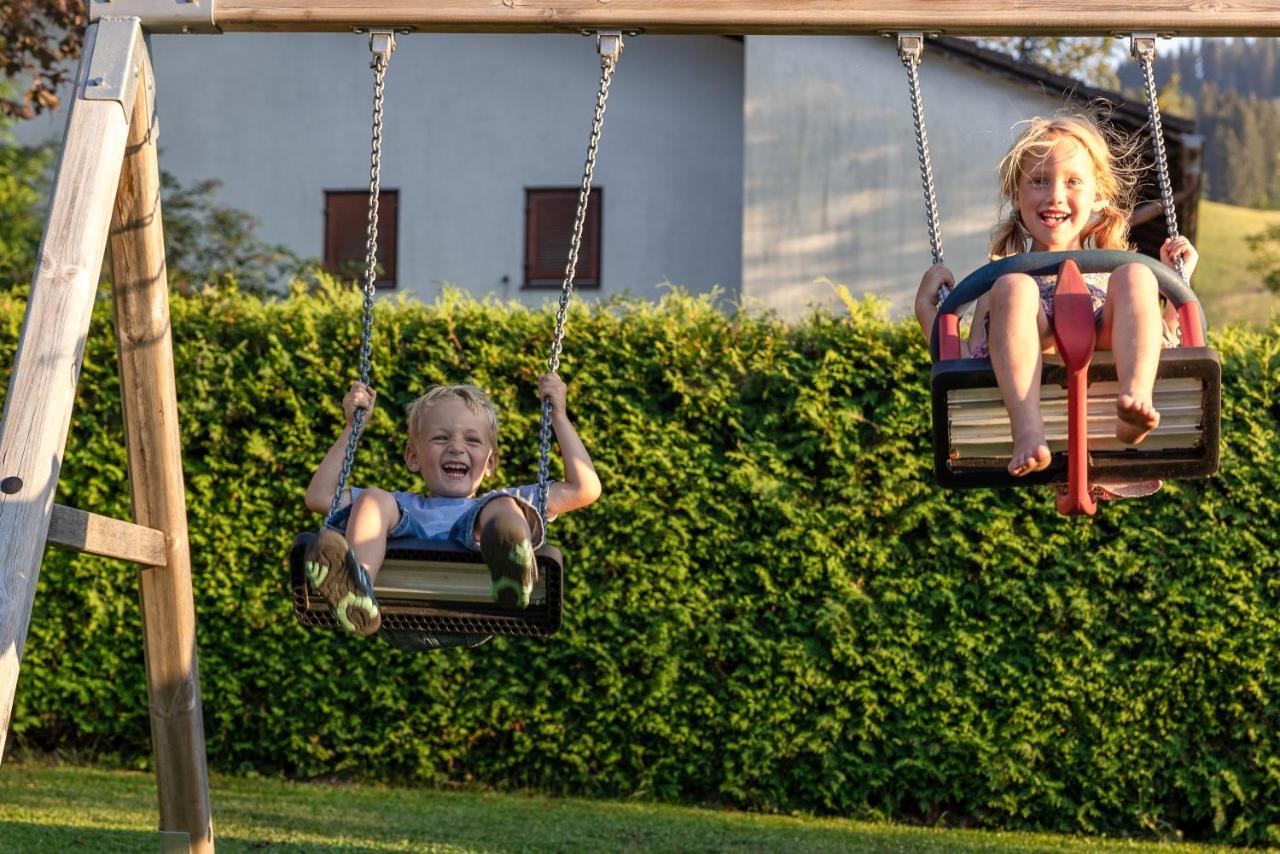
{"x": 325, "y": 480}
{"x": 581, "y": 485}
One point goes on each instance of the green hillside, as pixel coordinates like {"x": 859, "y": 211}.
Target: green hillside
{"x": 1228, "y": 290}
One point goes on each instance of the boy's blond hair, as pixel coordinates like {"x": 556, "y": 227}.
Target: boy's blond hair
{"x": 473, "y": 397}
{"x": 1115, "y": 164}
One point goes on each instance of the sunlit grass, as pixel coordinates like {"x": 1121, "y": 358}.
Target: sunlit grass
{"x": 1228, "y": 290}
{"x": 62, "y": 808}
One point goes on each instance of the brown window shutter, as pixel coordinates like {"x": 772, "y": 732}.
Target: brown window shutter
{"x": 346, "y": 215}
{"x": 549, "y": 215}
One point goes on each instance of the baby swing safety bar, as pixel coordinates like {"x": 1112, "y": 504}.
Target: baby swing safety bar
{"x": 436, "y": 587}
{"x": 958, "y": 383}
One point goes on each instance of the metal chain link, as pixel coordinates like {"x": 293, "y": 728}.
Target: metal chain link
{"x": 379, "y": 65}
{"x": 610, "y": 47}
{"x": 910, "y": 50}
{"x": 1144, "y": 51}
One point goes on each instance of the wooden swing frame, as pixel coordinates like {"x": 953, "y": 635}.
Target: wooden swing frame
{"x": 106, "y": 190}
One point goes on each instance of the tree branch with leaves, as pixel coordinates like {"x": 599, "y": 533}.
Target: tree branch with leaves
{"x": 39, "y": 40}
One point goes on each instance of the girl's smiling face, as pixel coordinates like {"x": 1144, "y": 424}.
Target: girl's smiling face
{"x": 1057, "y": 195}
{"x": 453, "y": 449}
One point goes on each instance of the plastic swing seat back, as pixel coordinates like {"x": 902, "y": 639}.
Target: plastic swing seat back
{"x": 429, "y": 587}
{"x": 971, "y": 439}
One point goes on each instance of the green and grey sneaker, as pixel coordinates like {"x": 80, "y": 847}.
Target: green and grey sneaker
{"x": 335, "y": 574}
{"x": 512, "y": 565}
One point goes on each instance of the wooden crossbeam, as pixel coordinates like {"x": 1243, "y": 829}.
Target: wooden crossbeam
{"x": 75, "y": 529}
{"x": 800, "y": 17}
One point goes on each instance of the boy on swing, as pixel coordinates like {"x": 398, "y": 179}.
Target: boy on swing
{"x": 452, "y": 444}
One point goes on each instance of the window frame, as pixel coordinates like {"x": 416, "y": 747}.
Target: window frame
{"x": 388, "y": 232}
{"x": 592, "y": 235}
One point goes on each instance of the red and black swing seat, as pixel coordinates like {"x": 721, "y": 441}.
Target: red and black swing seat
{"x": 971, "y": 438}
{"x": 440, "y": 588}
{"x": 972, "y": 444}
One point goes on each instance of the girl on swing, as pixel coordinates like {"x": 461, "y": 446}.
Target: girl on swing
{"x": 1067, "y": 189}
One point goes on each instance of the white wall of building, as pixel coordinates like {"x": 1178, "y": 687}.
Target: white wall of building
{"x": 759, "y": 166}
{"x": 470, "y": 122}
{"x": 832, "y": 181}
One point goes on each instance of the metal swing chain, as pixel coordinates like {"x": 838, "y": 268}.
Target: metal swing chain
{"x": 910, "y": 51}
{"x": 609, "y": 46}
{"x": 382, "y": 43}
{"x": 1143, "y": 49}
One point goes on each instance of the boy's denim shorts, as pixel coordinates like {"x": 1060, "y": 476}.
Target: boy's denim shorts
{"x": 430, "y": 518}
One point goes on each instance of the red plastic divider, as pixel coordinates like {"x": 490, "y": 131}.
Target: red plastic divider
{"x": 1074, "y": 332}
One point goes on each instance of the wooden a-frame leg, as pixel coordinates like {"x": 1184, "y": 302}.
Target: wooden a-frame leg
{"x": 147, "y": 385}
{"x": 37, "y": 407}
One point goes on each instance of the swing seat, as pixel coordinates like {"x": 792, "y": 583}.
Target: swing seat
{"x": 432, "y": 587}
{"x": 971, "y": 437}
{"x": 972, "y": 444}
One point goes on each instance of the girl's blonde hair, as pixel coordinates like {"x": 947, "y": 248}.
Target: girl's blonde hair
{"x": 473, "y": 397}
{"x": 1116, "y": 167}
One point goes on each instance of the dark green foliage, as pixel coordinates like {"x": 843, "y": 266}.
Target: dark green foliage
{"x": 204, "y": 239}
{"x": 771, "y": 606}
{"x": 1265, "y": 250}
{"x": 24, "y": 187}
{"x": 1091, "y": 59}
{"x": 1231, "y": 88}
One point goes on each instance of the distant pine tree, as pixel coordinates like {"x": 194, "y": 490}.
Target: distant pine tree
{"x": 1232, "y": 89}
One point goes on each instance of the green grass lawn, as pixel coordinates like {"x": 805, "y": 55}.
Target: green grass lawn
{"x": 63, "y": 808}
{"x": 1229, "y": 292}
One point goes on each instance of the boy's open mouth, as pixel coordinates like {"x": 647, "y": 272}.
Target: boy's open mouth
{"x": 455, "y": 470}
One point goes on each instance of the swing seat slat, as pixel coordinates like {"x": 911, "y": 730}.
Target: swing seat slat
{"x": 440, "y": 588}
{"x": 972, "y": 443}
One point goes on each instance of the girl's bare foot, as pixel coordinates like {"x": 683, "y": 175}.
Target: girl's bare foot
{"x": 1134, "y": 419}
{"x": 1030, "y": 453}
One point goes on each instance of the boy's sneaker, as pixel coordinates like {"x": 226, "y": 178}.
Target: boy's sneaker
{"x": 512, "y": 565}
{"x": 335, "y": 574}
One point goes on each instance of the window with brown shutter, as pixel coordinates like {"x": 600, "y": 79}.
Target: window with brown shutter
{"x": 548, "y": 219}
{"x": 346, "y": 214}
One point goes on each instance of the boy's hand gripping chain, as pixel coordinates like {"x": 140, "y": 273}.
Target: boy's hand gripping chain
{"x": 609, "y": 45}
{"x": 382, "y": 43}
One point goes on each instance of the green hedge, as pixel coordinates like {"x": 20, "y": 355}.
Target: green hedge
{"x": 771, "y": 606}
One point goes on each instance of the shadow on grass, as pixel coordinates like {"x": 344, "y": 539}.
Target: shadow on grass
{"x": 18, "y": 837}
{"x": 23, "y": 838}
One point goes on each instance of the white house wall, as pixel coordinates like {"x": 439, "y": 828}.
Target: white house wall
{"x": 832, "y": 181}
{"x": 761, "y": 167}
{"x": 470, "y": 122}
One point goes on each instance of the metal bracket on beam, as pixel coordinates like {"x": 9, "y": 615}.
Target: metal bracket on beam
{"x": 609, "y": 43}
{"x": 116, "y": 63}
{"x": 382, "y": 43}
{"x": 910, "y": 46}
{"x": 160, "y": 16}
{"x": 1142, "y": 46}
